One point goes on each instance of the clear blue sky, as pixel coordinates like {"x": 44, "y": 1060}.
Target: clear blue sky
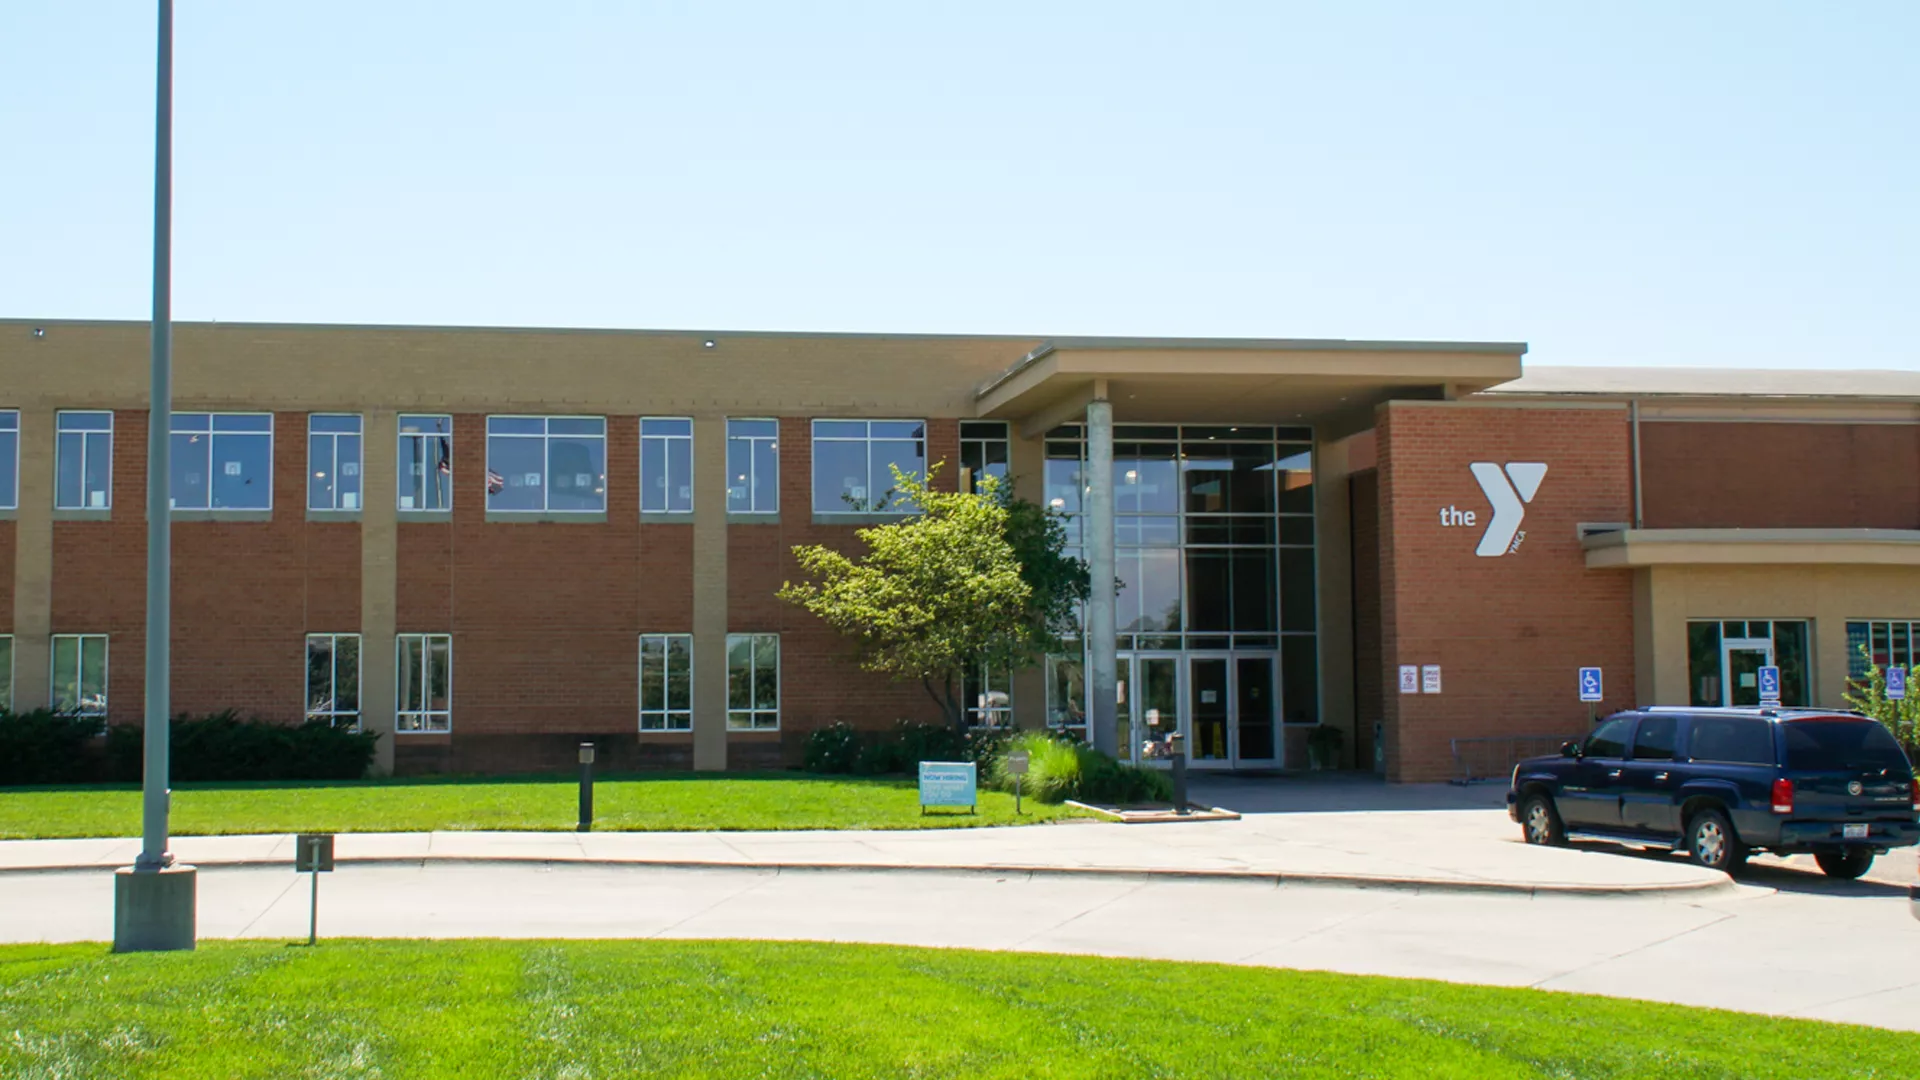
{"x": 1731, "y": 184}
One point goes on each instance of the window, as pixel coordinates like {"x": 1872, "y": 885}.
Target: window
{"x": 1730, "y": 739}
{"x": 753, "y": 682}
{"x": 666, "y": 682}
{"x": 1852, "y": 746}
{"x": 1724, "y": 658}
{"x": 984, "y": 451}
{"x": 1887, "y": 644}
{"x": 1067, "y": 688}
{"x": 333, "y": 679}
{"x": 753, "y": 466}
{"x": 853, "y": 463}
{"x": 80, "y": 674}
{"x": 222, "y": 461}
{"x": 426, "y": 463}
{"x": 9, "y": 459}
{"x": 1655, "y": 738}
{"x": 333, "y": 462}
{"x": 1609, "y": 740}
{"x": 555, "y": 464}
{"x": 666, "y": 466}
{"x": 83, "y": 449}
{"x": 6, "y": 672}
{"x": 423, "y": 682}
{"x": 987, "y": 698}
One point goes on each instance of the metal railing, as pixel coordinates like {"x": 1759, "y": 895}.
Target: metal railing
{"x": 1477, "y": 761}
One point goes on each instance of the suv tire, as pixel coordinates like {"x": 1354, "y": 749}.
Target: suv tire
{"x": 1846, "y": 863}
{"x": 1712, "y": 843}
{"x": 1540, "y": 821}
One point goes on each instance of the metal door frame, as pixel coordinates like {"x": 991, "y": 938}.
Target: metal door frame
{"x": 1728, "y": 646}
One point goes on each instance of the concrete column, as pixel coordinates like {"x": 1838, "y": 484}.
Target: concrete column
{"x": 710, "y": 593}
{"x": 1333, "y": 558}
{"x": 379, "y": 572}
{"x": 1027, "y": 467}
{"x": 33, "y": 563}
{"x": 1098, "y": 525}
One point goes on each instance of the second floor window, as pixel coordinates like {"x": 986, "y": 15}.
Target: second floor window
{"x": 753, "y": 466}
{"x": 83, "y": 452}
{"x": 555, "y": 464}
{"x": 666, "y": 465}
{"x": 853, "y": 464}
{"x": 222, "y": 461}
{"x": 333, "y": 462}
{"x": 426, "y": 463}
{"x": 9, "y": 459}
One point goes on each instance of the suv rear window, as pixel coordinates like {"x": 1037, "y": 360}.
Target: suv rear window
{"x": 1842, "y": 746}
{"x": 1731, "y": 739}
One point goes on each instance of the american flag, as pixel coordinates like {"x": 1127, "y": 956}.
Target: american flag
{"x": 446, "y": 457}
{"x": 495, "y": 482}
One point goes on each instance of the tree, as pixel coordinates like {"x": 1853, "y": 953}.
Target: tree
{"x": 971, "y": 580}
{"x": 1901, "y": 716}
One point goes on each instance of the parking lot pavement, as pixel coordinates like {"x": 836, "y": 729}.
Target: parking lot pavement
{"x": 1813, "y": 948}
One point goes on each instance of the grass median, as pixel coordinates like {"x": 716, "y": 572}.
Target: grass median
{"x": 426, "y": 1010}
{"x": 658, "y": 802}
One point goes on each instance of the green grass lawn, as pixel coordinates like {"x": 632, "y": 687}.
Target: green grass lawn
{"x": 665, "y": 802}
{"x": 494, "y": 1009}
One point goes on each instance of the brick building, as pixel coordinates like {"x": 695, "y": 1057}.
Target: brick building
{"x": 488, "y": 544}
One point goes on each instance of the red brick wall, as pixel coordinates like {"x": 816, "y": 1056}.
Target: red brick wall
{"x": 1510, "y": 631}
{"x": 1765, "y": 475}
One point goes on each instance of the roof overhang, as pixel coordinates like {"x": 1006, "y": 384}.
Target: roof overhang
{"x": 1752, "y": 547}
{"x": 1331, "y": 383}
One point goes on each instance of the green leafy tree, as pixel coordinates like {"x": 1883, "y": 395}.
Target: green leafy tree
{"x": 1869, "y": 697}
{"x": 970, "y": 580}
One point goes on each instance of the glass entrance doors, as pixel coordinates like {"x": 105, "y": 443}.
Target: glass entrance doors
{"x": 1223, "y": 703}
{"x": 1742, "y": 659}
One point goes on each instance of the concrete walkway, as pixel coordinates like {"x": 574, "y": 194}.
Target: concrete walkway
{"x": 1476, "y": 850}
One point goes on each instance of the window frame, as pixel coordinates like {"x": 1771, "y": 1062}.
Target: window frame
{"x": 339, "y": 468}
{"x": 59, "y": 429}
{"x": 546, "y": 438}
{"x": 426, "y": 716}
{"x": 332, "y": 716}
{"x": 753, "y": 472}
{"x": 214, "y": 434}
{"x": 10, "y": 429}
{"x": 403, "y": 487}
{"x": 866, "y": 440}
{"x": 668, "y": 713}
{"x": 994, "y": 717}
{"x": 53, "y": 660}
{"x": 754, "y": 707}
{"x": 668, "y": 440}
{"x": 968, "y": 481}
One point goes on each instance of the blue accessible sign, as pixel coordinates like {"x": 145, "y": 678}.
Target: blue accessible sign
{"x": 948, "y": 783}
{"x": 1896, "y": 684}
{"x": 1769, "y": 685}
{"x": 1590, "y": 684}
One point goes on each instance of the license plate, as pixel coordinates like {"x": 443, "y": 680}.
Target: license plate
{"x": 1853, "y": 832}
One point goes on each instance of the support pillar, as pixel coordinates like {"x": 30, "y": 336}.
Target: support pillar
{"x": 379, "y": 580}
{"x": 1102, "y": 712}
{"x": 710, "y": 593}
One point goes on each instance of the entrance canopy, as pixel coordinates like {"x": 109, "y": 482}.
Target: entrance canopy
{"x": 1332, "y": 384}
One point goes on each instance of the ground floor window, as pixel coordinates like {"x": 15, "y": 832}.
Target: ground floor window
{"x": 753, "y": 682}
{"x": 1067, "y": 689}
{"x": 988, "y": 698}
{"x": 1890, "y": 643}
{"x": 1724, "y": 658}
{"x": 666, "y": 682}
{"x": 333, "y": 679}
{"x": 423, "y": 682}
{"x": 80, "y": 674}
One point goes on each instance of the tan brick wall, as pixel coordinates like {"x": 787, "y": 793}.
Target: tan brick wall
{"x": 1510, "y": 632}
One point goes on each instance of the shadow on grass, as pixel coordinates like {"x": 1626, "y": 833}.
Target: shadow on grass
{"x": 530, "y": 779}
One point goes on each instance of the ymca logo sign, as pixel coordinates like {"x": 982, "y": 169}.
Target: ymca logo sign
{"x": 1508, "y": 489}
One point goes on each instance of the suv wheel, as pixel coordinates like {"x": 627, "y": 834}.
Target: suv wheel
{"x": 1846, "y": 863}
{"x": 1712, "y": 843}
{"x": 1540, "y": 822}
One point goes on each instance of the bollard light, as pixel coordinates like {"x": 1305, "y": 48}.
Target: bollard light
{"x": 1178, "y": 748}
{"x": 586, "y": 788}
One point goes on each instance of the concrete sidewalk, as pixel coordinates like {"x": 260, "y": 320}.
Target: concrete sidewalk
{"x": 1468, "y": 850}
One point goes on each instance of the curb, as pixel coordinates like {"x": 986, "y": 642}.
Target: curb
{"x": 1271, "y": 877}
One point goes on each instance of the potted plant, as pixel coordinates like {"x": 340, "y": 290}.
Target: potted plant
{"x": 1323, "y": 747}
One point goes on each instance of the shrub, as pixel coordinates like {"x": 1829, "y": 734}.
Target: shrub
{"x": 45, "y": 747}
{"x": 225, "y": 747}
{"x": 1061, "y": 768}
{"x": 832, "y": 749}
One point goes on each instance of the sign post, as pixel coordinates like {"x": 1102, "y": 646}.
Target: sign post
{"x": 1017, "y": 767}
{"x": 313, "y": 854}
{"x": 1770, "y": 686}
{"x": 1590, "y": 690}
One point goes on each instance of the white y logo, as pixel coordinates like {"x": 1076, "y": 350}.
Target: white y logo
{"x": 1509, "y": 491}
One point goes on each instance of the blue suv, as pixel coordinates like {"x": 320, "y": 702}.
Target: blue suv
{"x": 1720, "y": 783}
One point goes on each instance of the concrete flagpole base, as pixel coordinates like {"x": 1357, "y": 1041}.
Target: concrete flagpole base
{"x": 153, "y": 911}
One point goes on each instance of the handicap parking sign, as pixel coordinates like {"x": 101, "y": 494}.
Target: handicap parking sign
{"x": 1590, "y": 684}
{"x": 1769, "y": 685}
{"x": 1896, "y": 684}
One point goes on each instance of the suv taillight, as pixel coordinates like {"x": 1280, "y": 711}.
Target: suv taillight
{"x": 1916, "y": 794}
{"x": 1783, "y": 796}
